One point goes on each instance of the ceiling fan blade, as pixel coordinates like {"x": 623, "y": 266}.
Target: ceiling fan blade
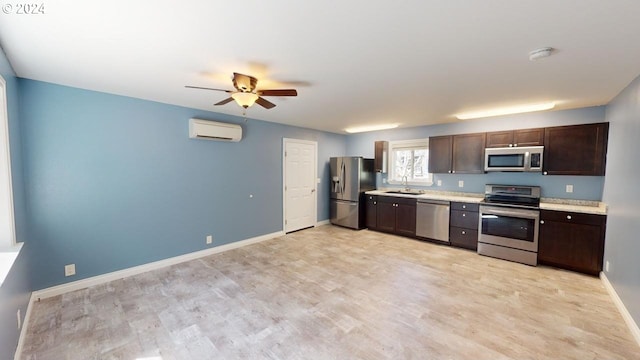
{"x": 244, "y": 83}
{"x": 206, "y": 88}
{"x": 278, "y": 92}
{"x": 225, "y": 101}
{"x": 265, "y": 103}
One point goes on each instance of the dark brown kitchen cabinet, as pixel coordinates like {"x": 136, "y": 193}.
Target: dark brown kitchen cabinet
{"x": 463, "y": 225}
{"x": 371, "y": 218}
{"x": 381, "y": 150}
{"x": 514, "y": 138}
{"x": 457, "y": 154}
{"x": 440, "y": 154}
{"x": 396, "y": 215}
{"x": 572, "y": 241}
{"x": 575, "y": 149}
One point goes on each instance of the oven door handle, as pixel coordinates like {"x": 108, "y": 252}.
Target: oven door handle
{"x": 529, "y": 214}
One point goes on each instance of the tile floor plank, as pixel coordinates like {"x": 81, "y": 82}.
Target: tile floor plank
{"x": 334, "y": 293}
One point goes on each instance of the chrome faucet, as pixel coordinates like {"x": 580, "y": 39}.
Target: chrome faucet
{"x": 405, "y": 182}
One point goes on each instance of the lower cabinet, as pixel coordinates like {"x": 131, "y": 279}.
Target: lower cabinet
{"x": 572, "y": 241}
{"x": 371, "y": 217}
{"x": 396, "y": 215}
{"x": 463, "y": 225}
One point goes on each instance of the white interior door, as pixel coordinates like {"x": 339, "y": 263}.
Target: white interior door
{"x": 300, "y": 195}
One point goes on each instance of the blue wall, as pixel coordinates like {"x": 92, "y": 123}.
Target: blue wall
{"x": 585, "y": 187}
{"x": 114, "y": 182}
{"x": 16, "y": 289}
{"x": 621, "y": 193}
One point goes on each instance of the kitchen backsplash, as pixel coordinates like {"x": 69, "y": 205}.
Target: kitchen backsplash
{"x": 584, "y": 187}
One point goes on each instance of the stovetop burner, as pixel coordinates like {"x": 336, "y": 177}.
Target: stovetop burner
{"x": 512, "y": 195}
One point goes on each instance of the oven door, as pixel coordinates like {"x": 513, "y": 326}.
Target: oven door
{"x": 514, "y": 228}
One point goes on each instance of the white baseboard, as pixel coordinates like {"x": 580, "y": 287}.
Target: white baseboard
{"x": 323, "y": 222}
{"x": 633, "y": 327}
{"x": 101, "y": 279}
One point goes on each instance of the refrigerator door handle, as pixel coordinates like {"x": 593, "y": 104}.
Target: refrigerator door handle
{"x": 343, "y": 170}
{"x": 336, "y": 184}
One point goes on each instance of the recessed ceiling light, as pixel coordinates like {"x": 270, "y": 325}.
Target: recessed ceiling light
{"x": 366, "y": 128}
{"x": 506, "y": 111}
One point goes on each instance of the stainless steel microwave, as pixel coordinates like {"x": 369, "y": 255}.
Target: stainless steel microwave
{"x": 525, "y": 158}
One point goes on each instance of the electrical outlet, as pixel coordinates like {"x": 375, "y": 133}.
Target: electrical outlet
{"x": 439, "y": 182}
{"x": 209, "y": 239}
{"x": 70, "y": 270}
{"x": 569, "y": 188}
{"x": 460, "y": 183}
{"x": 606, "y": 266}
{"x": 384, "y": 181}
{"x": 19, "y": 319}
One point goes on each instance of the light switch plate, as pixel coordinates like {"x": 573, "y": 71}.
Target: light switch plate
{"x": 439, "y": 182}
{"x": 460, "y": 183}
{"x": 569, "y": 188}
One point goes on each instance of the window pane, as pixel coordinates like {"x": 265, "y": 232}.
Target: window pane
{"x": 420, "y": 166}
{"x": 402, "y": 164}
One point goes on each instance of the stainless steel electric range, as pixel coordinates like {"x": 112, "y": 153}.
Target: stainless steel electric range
{"x": 509, "y": 223}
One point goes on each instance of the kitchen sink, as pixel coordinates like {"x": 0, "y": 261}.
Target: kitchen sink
{"x": 405, "y": 192}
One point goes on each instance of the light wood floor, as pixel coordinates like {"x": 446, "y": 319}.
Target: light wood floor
{"x": 333, "y": 293}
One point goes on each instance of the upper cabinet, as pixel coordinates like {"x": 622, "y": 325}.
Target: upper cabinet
{"x": 457, "y": 154}
{"x": 513, "y": 138}
{"x": 440, "y": 150}
{"x": 380, "y": 159}
{"x": 575, "y": 149}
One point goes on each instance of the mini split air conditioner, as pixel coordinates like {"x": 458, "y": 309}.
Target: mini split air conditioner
{"x": 213, "y": 130}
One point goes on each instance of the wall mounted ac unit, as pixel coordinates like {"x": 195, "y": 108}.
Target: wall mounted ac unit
{"x": 213, "y": 130}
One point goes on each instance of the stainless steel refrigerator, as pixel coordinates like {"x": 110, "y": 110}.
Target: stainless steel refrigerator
{"x": 350, "y": 178}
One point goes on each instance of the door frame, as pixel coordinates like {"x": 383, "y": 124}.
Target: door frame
{"x": 286, "y": 141}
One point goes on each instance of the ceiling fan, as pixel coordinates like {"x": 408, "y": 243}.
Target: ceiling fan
{"x": 246, "y": 93}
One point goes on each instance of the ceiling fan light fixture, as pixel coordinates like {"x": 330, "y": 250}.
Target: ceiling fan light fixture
{"x": 506, "y": 111}
{"x": 244, "y": 99}
{"x": 359, "y": 129}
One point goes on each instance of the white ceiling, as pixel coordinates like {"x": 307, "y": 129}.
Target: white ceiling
{"x": 413, "y": 62}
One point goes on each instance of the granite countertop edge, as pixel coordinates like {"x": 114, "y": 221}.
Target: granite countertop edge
{"x": 572, "y": 205}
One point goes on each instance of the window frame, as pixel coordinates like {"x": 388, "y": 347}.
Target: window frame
{"x": 5, "y": 161}
{"x": 406, "y": 144}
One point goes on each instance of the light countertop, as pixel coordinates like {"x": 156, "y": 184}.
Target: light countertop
{"x": 570, "y": 205}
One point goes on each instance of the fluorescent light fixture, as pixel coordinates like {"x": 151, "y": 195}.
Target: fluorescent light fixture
{"x": 506, "y": 111}
{"x": 359, "y": 129}
{"x": 244, "y": 99}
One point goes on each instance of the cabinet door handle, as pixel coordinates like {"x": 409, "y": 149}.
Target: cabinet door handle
{"x": 510, "y": 145}
{"x": 375, "y": 203}
{"x": 544, "y": 173}
{"x": 449, "y": 171}
{"x": 453, "y": 171}
{"x": 541, "y": 221}
{"x": 463, "y": 215}
{"x": 463, "y": 232}
{"x": 515, "y": 145}
{"x": 464, "y": 206}
{"x": 568, "y": 217}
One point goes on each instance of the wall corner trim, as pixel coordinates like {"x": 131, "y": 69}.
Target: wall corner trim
{"x": 120, "y": 274}
{"x": 633, "y": 327}
{"x": 23, "y": 330}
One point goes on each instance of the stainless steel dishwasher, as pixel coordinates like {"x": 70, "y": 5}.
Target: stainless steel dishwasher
{"x": 432, "y": 219}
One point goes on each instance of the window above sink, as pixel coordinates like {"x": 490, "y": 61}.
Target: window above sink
{"x": 409, "y": 158}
